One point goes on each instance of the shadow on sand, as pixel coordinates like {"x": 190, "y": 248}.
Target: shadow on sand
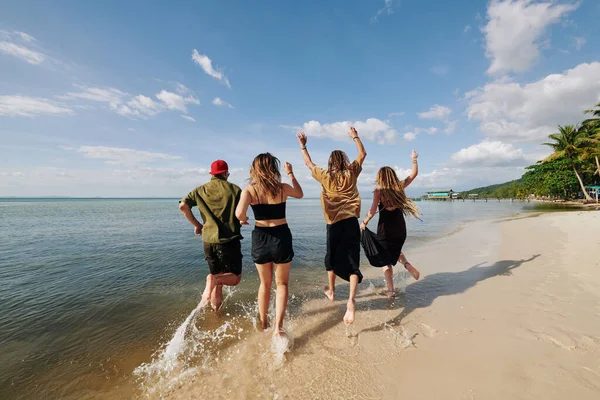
{"x": 421, "y": 294}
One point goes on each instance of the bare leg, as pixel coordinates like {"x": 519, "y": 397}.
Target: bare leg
{"x": 265, "y": 272}
{"x": 282, "y": 277}
{"x": 330, "y": 289}
{"x": 216, "y": 298}
{"x": 388, "y": 274}
{"x": 413, "y": 271}
{"x": 351, "y": 306}
{"x": 208, "y": 289}
{"x": 227, "y": 279}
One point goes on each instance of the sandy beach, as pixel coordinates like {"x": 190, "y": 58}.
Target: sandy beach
{"x": 504, "y": 309}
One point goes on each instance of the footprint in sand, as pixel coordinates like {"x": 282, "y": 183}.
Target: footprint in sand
{"x": 427, "y": 330}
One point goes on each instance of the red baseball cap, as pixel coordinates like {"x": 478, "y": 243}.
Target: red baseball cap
{"x": 218, "y": 167}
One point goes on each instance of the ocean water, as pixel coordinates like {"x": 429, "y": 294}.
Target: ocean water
{"x": 94, "y": 291}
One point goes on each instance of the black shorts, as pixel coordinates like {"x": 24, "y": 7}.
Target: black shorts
{"x": 273, "y": 244}
{"x": 343, "y": 249}
{"x": 224, "y": 257}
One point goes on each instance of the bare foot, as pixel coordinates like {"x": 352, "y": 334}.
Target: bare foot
{"x": 413, "y": 271}
{"x": 350, "y": 310}
{"x": 390, "y": 293}
{"x": 329, "y": 293}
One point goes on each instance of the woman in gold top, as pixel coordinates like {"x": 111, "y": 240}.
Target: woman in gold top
{"x": 392, "y": 204}
{"x": 341, "y": 206}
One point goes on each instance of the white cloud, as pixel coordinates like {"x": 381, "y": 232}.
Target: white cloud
{"x": 217, "y": 101}
{"x": 206, "y": 63}
{"x": 188, "y": 118}
{"x": 21, "y": 52}
{"x": 385, "y": 10}
{"x": 439, "y": 70}
{"x": 24, "y": 36}
{"x": 467, "y": 28}
{"x": 372, "y": 129}
{"x": 492, "y": 153}
{"x": 22, "y": 106}
{"x": 121, "y": 156}
{"x": 409, "y": 136}
{"x": 173, "y": 101}
{"x": 139, "y": 106}
{"x": 515, "y": 29}
{"x": 436, "y": 112}
{"x": 578, "y": 42}
{"x": 532, "y": 111}
{"x": 108, "y": 95}
{"x": 396, "y": 114}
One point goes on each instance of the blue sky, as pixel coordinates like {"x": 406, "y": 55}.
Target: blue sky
{"x": 131, "y": 99}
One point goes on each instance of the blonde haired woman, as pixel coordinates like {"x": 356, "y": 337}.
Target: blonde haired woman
{"x": 272, "y": 249}
{"x": 391, "y": 201}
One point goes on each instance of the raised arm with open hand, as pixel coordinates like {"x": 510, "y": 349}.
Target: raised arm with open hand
{"x": 362, "y": 153}
{"x": 415, "y": 169}
{"x": 302, "y": 139}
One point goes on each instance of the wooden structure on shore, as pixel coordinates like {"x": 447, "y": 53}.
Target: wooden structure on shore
{"x": 439, "y": 195}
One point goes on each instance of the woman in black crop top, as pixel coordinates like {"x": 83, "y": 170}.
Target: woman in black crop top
{"x": 272, "y": 249}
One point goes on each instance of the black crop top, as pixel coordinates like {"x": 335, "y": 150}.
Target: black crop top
{"x": 264, "y": 212}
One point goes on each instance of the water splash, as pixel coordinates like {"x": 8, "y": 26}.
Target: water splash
{"x": 280, "y": 345}
{"x": 178, "y": 358}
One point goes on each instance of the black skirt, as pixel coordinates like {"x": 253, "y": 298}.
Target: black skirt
{"x": 343, "y": 249}
{"x": 384, "y": 248}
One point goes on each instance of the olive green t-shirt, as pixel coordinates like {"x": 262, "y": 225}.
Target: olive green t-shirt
{"x": 216, "y": 200}
{"x": 339, "y": 197}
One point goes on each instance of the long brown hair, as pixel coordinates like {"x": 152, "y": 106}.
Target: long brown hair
{"x": 265, "y": 175}
{"x": 392, "y": 192}
{"x": 338, "y": 164}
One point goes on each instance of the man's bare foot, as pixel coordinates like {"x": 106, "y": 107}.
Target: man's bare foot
{"x": 350, "y": 310}
{"x": 413, "y": 271}
{"x": 390, "y": 293}
{"x": 329, "y": 293}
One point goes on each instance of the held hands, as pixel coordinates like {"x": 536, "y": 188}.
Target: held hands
{"x": 414, "y": 155}
{"x": 287, "y": 168}
{"x": 301, "y": 138}
{"x": 198, "y": 230}
{"x": 352, "y": 133}
{"x": 244, "y": 222}
{"x": 363, "y": 226}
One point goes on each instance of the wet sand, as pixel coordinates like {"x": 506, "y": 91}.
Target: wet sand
{"x": 504, "y": 309}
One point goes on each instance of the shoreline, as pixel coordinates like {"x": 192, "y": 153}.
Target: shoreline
{"x": 505, "y": 308}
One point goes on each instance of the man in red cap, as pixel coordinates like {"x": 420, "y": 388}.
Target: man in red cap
{"x": 216, "y": 200}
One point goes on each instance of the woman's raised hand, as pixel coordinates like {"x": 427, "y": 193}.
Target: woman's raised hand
{"x": 414, "y": 155}
{"x": 301, "y": 138}
{"x": 287, "y": 168}
{"x": 352, "y": 132}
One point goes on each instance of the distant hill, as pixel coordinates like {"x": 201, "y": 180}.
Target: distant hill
{"x": 505, "y": 190}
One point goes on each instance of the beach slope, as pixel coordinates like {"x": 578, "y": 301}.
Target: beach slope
{"x": 506, "y": 309}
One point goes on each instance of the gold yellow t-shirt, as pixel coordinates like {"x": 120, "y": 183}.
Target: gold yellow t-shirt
{"x": 339, "y": 197}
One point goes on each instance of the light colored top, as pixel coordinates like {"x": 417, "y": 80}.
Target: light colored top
{"x": 340, "y": 198}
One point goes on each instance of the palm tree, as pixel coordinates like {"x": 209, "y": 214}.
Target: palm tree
{"x": 573, "y": 144}
{"x": 593, "y": 129}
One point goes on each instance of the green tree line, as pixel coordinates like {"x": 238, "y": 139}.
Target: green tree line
{"x": 573, "y": 164}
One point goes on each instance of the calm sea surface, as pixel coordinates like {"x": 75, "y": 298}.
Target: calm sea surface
{"x": 91, "y": 288}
